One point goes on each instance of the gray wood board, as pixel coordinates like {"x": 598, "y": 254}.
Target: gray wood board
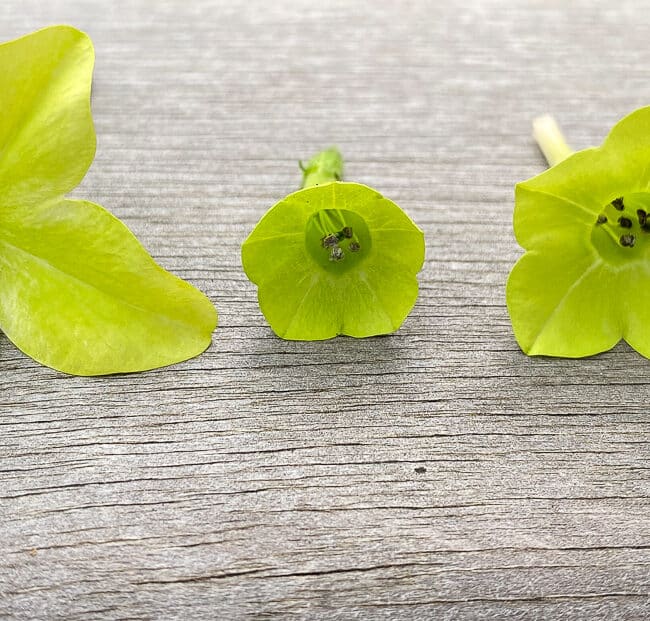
{"x": 434, "y": 473}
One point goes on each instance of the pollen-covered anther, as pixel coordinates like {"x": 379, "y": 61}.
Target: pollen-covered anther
{"x": 618, "y": 203}
{"x": 602, "y": 218}
{"x": 336, "y": 254}
{"x": 642, "y": 215}
{"x": 627, "y": 240}
{"x": 625, "y": 223}
{"x": 354, "y": 247}
{"x": 347, "y": 232}
{"x": 644, "y": 220}
{"x": 330, "y": 240}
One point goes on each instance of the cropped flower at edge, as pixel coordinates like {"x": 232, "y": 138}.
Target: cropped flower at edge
{"x": 78, "y": 292}
{"x": 584, "y": 281}
{"x": 335, "y": 258}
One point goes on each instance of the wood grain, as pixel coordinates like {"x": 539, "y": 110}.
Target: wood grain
{"x": 437, "y": 473}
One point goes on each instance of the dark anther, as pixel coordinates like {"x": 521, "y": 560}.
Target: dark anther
{"x": 329, "y": 241}
{"x": 642, "y": 216}
{"x": 618, "y": 203}
{"x": 354, "y": 247}
{"x": 336, "y": 254}
{"x": 626, "y": 223}
{"x": 347, "y": 232}
{"x": 627, "y": 240}
{"x": 602, "y": 218}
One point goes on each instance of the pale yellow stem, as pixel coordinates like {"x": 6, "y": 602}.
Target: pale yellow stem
{"x": 550, "y": 139}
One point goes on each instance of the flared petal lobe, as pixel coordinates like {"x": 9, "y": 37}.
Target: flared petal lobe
{"x": 81, "y": 295}
{"x": 47, "y": 139}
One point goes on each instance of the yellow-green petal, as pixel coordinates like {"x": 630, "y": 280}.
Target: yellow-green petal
{"x": 635, "y": 306}
{"x": 47, "y": 139}
{"x": 628, "y": 151}
{"x": 564, "y": 303}
{"x": 79, "y": 293}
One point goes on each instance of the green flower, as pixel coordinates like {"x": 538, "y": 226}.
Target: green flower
{"x": 584, "y": 281}
{"x": 77, "y": 290}
{"x": 334, "y": 258}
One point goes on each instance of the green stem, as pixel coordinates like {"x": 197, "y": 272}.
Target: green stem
{"x": 324, "y": 167}
{"x": 550, "y": 139}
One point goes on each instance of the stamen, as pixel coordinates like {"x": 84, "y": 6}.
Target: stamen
{"x": 602, "y": 218}
{"x": 626, "y": 223}
{"x": 336, "y": 254}
{"x": 347, "y": 232}
{"x": 618, "y": 203}
{"x": 627, "y": 240}
{"x": 642, "y": 215}
{"x": 354, "y": 247}
{"x": 329, "y": 241}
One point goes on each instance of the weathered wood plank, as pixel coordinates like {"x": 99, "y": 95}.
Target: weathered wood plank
{"x": 436, "y": 473}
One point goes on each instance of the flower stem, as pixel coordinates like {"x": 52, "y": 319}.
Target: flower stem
{"x": 550, "y": 139}
{"x": 324, "y": 167}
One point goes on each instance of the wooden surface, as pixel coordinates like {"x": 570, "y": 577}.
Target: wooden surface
{"x": 437, "y": 473}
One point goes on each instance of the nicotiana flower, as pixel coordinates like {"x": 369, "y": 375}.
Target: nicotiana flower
{"x": 584, "y": 281}
{"x": 77, "y": 290}
{"x": 334, "y": 258}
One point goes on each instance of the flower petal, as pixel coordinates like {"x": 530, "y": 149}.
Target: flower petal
{"x": 564, "y": 301}
{"x": 542, "y": 214}
{"x": 81, "y": 295}
{"x": 635, "y": 304}
{"x": 389, "y": 294}
{"x": 300, "y": 305}
{"x": 318, "y": 306}
{"x": 628, "y": 151}
{"x": 47, "y": 139}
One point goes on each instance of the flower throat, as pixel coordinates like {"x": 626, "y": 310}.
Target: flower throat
{"x": 622, "y": 229}
{"x": 337, "y": 239}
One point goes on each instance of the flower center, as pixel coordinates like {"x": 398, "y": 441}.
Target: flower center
{"x": 337, "y": 239}
{"x": 622, "y": 229}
